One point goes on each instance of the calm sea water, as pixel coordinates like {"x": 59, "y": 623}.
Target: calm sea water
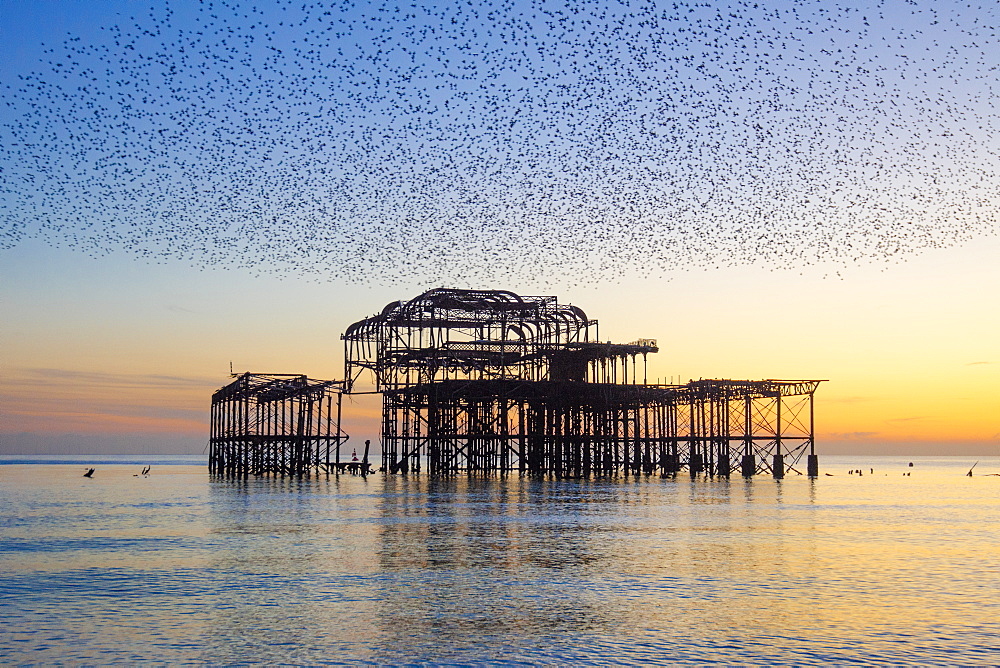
{"x": 181, "y": 567}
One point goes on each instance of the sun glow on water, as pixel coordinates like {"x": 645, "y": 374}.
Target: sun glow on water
{"x": 883, "y": 567}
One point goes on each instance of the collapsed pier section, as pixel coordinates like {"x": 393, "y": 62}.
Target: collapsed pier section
{"x": 283, "y": 424}
{"x": 488, "y": 380}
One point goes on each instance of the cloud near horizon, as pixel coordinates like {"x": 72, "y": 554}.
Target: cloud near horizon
{"x": 53, "y": 376}
{"x": 88, "y": 402}
{"x": 853, "y": 435}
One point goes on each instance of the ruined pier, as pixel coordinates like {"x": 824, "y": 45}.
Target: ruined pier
{"x": 284, "y": 424}
{"x": 491, "y": 381}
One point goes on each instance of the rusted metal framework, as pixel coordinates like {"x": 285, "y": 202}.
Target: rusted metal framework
{"x": 275, "y": 424}
{"x": 493, "y": 381}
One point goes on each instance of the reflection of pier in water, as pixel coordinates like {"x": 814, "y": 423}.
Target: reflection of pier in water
{"x": 483, "y": 557}
{"x": 476, "y": 380}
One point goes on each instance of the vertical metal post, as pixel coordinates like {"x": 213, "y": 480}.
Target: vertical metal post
{"x": 748, "y": 466}
{"x": 778, "y": 465}
{"x": 812, "y": 463}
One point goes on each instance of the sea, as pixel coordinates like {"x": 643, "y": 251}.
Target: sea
{"x": 897, "y": 565}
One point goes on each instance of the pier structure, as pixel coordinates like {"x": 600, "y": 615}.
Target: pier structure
{"x": 283, "y": 424}
{"x": 477, "y": 380}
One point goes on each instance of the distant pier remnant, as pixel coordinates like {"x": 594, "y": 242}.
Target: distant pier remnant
{"x": 275, "y": 424}
{"x": 488, "y": 380}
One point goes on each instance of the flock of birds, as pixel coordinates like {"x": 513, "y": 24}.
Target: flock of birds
{"x": 468, "y": 141}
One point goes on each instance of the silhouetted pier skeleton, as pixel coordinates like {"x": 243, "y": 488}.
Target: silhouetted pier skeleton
{"x": 488, "y": 380}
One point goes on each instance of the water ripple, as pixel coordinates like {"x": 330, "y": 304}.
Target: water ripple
{"x": 188, "y": 569}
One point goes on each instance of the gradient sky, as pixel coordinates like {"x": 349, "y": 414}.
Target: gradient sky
{"x": 111, "y": 342}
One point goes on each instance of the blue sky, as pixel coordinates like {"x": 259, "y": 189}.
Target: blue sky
{"x": 796, "y": 190}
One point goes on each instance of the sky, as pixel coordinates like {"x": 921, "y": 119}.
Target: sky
{"x": 804, "y": 190}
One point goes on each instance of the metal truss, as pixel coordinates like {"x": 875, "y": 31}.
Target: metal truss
{"x": 487, "y": 380}
{"x": 275, "y": 424}
{"x": 492, "y": 381}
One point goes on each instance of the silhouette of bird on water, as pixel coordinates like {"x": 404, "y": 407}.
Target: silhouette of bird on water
{"x": 464, "y": 142}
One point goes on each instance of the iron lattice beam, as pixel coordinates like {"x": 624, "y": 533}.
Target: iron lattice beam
{"x": 275, "y": 424}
